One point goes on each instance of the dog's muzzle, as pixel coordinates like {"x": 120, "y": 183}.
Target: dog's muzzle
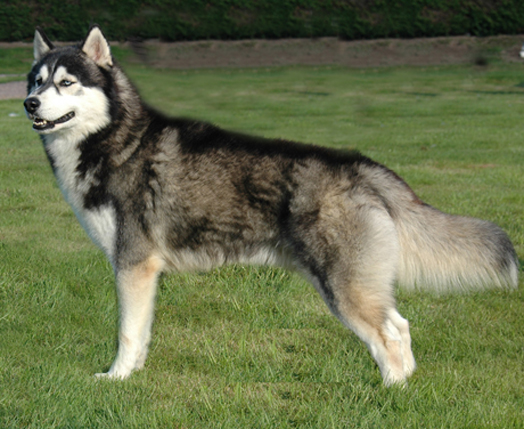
{"x": 32, "y": 104}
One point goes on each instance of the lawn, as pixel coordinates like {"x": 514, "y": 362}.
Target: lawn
{"x": 245, "y": 347}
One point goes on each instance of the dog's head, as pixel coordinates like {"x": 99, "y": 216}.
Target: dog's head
{"x": 67, "y": 86}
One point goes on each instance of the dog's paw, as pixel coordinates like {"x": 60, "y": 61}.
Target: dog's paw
{"x": 103, "y": 375}
{"x": 110, "y": 376}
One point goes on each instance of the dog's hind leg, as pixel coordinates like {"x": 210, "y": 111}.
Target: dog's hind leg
{"x": 352, "y": 256}
{"x": 402, "y": 326}
{"x": 136, "y": 287}
{"x": 371, "y": 314}
{"x": 365, "y": 301}
{"x": 364, "y": 293}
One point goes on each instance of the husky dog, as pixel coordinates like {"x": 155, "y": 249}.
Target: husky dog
{"x": 159, "y": 193}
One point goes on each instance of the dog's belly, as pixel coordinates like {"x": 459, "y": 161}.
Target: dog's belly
{"x": 209, "y": 257}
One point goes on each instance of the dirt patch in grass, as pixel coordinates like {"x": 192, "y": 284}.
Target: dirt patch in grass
{"x": 357, "y": 54}
{"x": 323, "y": 51}
{"x": 11, "y": 90}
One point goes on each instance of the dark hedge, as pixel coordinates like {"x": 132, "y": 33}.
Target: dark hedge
{"x": 172, "y": 20}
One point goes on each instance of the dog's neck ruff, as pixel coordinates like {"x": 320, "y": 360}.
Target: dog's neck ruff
{"x": 99, "y": 222}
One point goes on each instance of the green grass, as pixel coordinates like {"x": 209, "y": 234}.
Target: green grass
{"x": 244, "y": 347}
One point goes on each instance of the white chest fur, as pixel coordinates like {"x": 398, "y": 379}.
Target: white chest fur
{"x": 100, "y": 222}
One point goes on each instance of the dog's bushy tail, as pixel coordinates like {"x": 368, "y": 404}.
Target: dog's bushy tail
{"x": 444, "y": 252}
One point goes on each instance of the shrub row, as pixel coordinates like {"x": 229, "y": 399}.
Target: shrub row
{"x": 173, "y": 20}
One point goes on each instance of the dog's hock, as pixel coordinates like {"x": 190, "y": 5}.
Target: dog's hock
{"x": 97, "y": 48}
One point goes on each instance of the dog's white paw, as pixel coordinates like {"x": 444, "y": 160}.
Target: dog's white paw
{"x": 110, "y": 376}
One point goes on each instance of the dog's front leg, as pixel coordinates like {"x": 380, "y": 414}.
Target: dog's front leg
{"x": 136, "y": 287}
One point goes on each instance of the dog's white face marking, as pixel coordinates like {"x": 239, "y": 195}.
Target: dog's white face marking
{"x": 64, "y": 82}
{"x": 65, "y": 104}
{"x": 41, "y": 77}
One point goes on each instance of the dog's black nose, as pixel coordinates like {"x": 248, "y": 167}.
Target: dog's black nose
{"x": 31, "y": 104}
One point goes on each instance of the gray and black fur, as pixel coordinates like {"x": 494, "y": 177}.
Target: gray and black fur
{"x": 161, "y": 193}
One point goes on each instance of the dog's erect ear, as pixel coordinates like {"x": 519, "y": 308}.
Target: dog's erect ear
{"x": 96, "y": 47}
{"x": 41, "y": 45}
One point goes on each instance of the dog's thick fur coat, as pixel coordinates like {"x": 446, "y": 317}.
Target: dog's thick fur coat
{"x": 161, "y": 193}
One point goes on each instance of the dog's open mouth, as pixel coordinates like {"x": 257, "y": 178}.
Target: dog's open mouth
{"x": 42, "y": 124}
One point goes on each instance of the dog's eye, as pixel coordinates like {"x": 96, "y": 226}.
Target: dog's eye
{"x": 38, "y": 81}
{"x": 66, "y": 82}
